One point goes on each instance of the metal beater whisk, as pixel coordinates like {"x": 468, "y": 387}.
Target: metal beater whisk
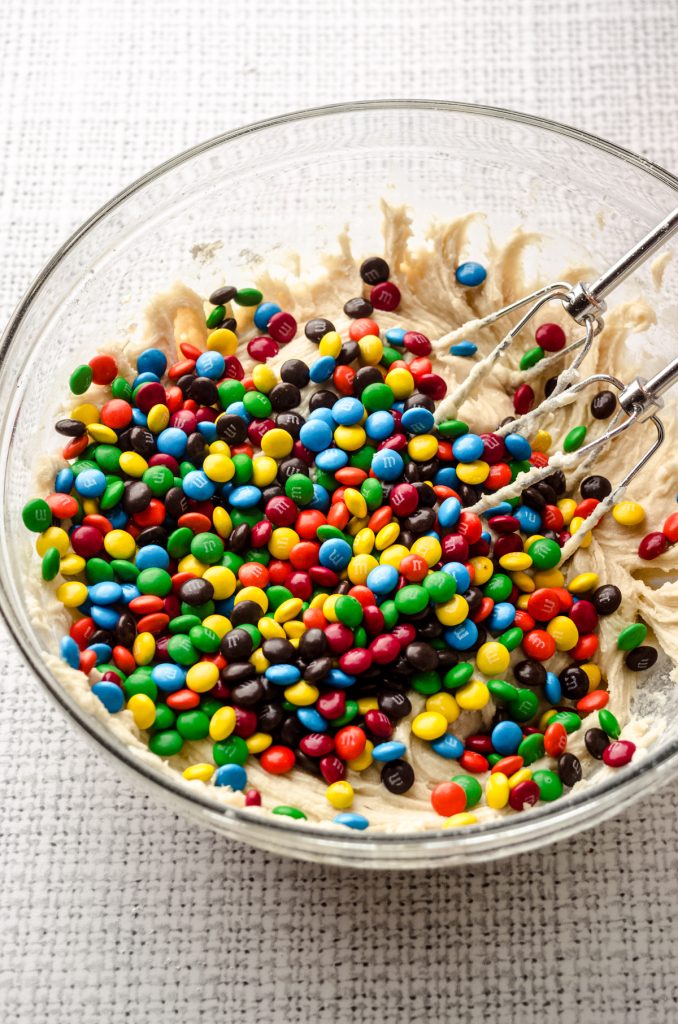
{"x": 638, "y": 401}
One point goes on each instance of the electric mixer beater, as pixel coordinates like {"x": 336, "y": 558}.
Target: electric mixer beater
{"x": 638, "y": 401}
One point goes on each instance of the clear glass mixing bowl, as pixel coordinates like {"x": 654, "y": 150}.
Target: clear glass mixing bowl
{"x": 240, "y": 200}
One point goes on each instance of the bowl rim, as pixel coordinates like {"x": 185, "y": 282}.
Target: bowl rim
{"x": 488, "y": 840}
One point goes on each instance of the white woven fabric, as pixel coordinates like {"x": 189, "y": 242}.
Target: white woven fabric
{"x": 112, "y": 909}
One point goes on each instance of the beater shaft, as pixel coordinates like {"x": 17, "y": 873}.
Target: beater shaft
{"x": 643, "y": 397}
{"x": 588, "y": 299}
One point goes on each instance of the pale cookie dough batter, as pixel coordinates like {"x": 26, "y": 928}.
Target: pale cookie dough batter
{"x": 433, "y": 303}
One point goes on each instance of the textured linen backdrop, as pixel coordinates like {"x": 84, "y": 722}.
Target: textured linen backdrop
{"x": 114, "y": 909}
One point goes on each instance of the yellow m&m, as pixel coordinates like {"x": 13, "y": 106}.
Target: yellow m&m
{"x": 628, "y": 513}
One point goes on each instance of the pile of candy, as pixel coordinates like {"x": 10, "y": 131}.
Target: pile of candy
{"x": 280, "y": 583}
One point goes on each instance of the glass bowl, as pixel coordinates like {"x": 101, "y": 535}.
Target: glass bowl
{"x": 240, "y": 200}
